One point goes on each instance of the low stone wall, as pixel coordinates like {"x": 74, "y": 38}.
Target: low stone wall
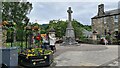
{"x": 89, "y": 41}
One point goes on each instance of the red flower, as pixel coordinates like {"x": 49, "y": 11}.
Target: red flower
{"x": 38, "y": 38}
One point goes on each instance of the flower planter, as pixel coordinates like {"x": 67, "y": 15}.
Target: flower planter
{"x": 35, "y": 60}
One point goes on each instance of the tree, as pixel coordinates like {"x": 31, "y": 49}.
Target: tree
{"x": 60, "y": 28}
{"x": 17, "y": 12}
{"x": 78, "y": 28}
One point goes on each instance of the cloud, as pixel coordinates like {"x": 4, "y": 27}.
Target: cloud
{"x": 82, "y": 11}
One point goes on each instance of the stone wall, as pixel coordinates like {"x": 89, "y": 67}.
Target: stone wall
{"x": 98, "y": 25}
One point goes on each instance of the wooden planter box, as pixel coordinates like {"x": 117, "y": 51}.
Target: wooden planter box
{"x": 35, "y": 61}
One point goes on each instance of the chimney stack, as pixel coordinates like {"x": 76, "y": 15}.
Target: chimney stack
{"x": 101, "y": 10}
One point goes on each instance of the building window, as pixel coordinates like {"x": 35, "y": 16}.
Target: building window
{"x": 116, "y": 21}
{"x": 116, "y": 18}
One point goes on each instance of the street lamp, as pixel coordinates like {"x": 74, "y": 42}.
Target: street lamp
{"x": 26, "y": 21}
{"x": 11, "y": 27}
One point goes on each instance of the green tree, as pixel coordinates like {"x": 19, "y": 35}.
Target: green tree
{"x": 60, "y": 28}
{"x": 78, "y": 28}
{"x": 17, "y": 12}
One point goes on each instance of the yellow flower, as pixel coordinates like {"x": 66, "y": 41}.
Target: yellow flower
{"x": 40, "y": 50}
{"x": 34, "y": 54}
{"x": 23, "y": 53}
{"x": 30, "y": 55}
{"x": 45, "y": 57}
{"x": 34, "y": 63}
{"x": 29, "y": 51}
{"x": 27, "y": 57}
{"x": 32, "y": 49}
{"x": 49, "y": 53}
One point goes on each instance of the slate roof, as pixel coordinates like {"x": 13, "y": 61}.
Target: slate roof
{"x": 86, "y": 32}
{"x": 108, "y": 13}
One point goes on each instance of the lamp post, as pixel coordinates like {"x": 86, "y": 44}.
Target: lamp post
{"x": 11, "y": 27}
{"x": 26, "y": 20}
{"x": 26, "y": 34}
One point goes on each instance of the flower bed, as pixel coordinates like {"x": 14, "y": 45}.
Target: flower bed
{"x": 35, "y": 57}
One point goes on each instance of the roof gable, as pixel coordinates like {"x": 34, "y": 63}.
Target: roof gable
{"x": 108, "y": 13}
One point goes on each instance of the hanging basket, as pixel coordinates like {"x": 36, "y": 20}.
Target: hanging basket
{"x": 35, "y": 28}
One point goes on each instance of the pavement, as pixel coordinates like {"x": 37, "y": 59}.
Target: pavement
{"x": 86, "y": 55}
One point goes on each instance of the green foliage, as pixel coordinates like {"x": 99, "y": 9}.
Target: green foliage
{"x": 87, "y": 27}
{"x": 78, "y": 29}
{"x": 44, "y": 28}
{"x": 60, "y": 28}
{"x": 16, "y": 12}
{"x": 20, "y": 35}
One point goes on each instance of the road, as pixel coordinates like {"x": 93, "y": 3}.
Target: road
{"x": 86, "y": 55}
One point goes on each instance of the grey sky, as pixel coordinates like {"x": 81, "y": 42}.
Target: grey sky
{"x": 43, "y": 12}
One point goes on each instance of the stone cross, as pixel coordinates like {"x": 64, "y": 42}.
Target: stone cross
{"x": 69, "y": 38}
{"x": 69, "y": 13}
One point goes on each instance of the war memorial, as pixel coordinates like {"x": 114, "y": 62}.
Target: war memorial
{"x": 36, "y": 48}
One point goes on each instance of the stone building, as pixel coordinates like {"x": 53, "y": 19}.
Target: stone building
{"x": 106, "y": 22}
